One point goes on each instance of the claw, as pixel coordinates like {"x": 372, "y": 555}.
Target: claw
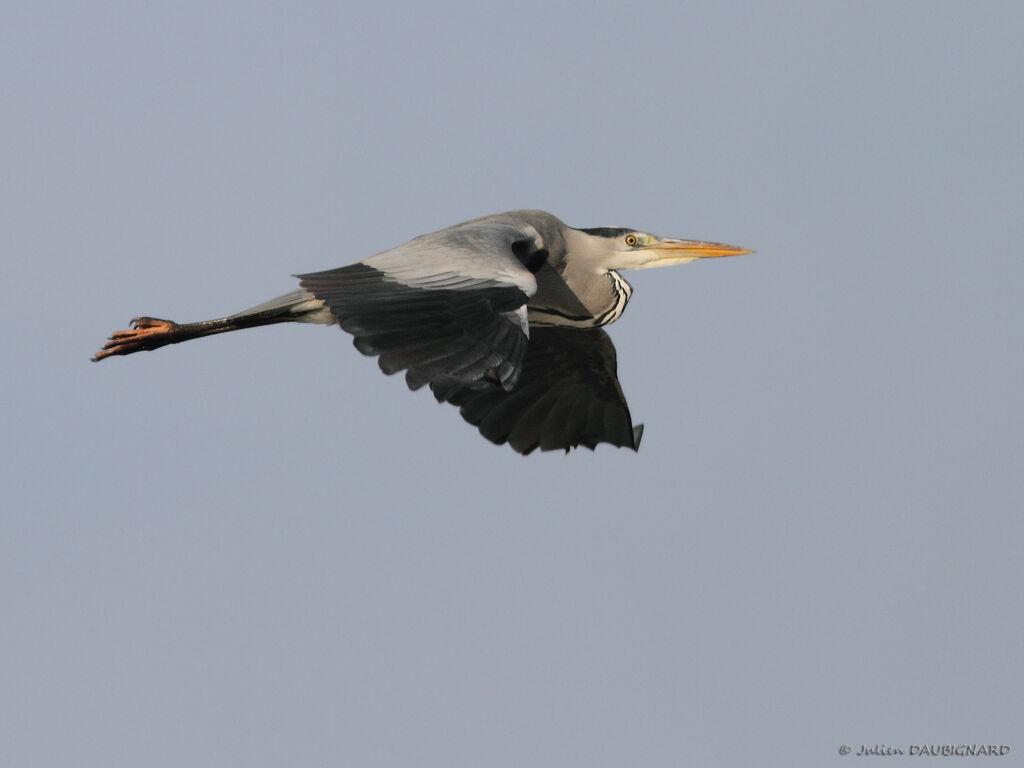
{"x": 144, "y": 333}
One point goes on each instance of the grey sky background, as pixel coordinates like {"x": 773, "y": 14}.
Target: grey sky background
{"x": 257, "y": 550}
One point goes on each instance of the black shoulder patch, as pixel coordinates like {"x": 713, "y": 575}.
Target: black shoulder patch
{"x": 529, "y": 256}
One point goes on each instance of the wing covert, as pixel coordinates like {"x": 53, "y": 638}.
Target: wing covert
{"x": 448, "y": 307}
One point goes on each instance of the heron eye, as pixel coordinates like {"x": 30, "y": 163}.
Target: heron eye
{"x": 631, "y": 240}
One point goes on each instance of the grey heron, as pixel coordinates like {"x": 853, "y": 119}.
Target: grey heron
{"x": 501, "y": 316}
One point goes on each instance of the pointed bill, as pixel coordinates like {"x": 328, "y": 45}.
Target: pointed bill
{"x": 694, "y": 249}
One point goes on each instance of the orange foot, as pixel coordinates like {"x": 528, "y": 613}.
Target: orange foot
{"x": 145, "y": 333}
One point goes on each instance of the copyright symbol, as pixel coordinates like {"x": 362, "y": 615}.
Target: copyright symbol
{"x": 844, "y": 750}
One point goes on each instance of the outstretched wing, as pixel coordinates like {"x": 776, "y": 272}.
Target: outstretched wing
{"x": 448, "y": 307}
{"x": 568, "y": 395}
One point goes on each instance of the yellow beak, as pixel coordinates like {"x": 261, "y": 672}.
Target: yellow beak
{"x": 695, "y": 249}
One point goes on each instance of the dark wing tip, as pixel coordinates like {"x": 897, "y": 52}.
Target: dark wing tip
{"x": 568, "y": 396}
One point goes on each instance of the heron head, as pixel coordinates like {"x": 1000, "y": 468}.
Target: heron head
{"x": 618, "y": 248}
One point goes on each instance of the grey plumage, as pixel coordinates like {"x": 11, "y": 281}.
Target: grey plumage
{"x": 499, "y": 315}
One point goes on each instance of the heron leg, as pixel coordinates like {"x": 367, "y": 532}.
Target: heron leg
{"x": 152, "y": 333}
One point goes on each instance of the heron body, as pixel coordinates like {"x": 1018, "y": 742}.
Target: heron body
{"x": 500, "y": 316}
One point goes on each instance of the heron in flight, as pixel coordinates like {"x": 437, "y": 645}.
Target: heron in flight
{"x": 501, "y": 316}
